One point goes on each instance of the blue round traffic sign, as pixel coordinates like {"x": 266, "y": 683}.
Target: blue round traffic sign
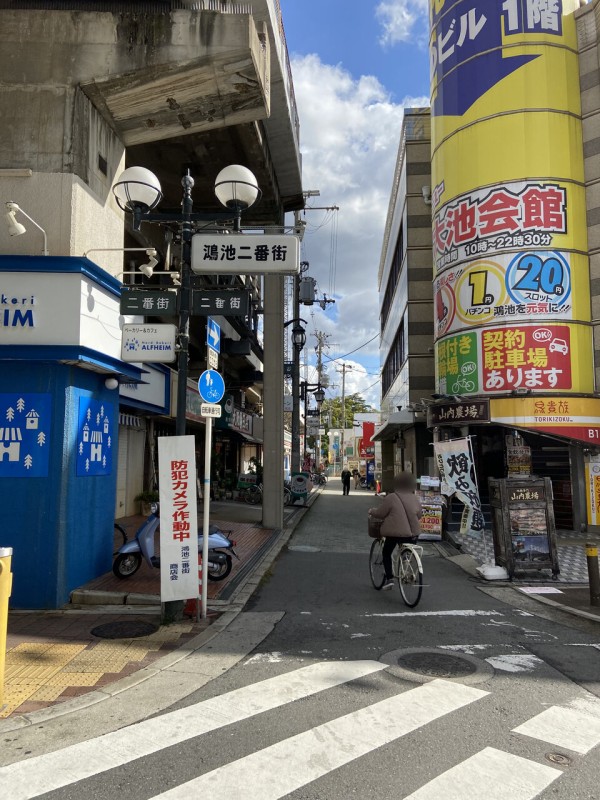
{"x": 211, "y": 386}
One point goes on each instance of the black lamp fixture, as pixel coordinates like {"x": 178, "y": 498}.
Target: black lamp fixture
{"x": 319, "y": 396}
{"x": 298, "y": 337}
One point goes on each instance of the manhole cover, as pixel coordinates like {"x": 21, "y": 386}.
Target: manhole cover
{"x": 126, "y": 629}
{"x": 422, "y": 664}
{"x": 558, "y": 758}
{"x": 437, "y": 665}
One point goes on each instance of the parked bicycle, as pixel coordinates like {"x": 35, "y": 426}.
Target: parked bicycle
{"x": 407, "y": 567}
{"x": 254, "y": 495}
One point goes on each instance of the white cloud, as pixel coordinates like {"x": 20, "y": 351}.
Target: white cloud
{"x": 400, "y": 20}
{"x": 349, "y": 135}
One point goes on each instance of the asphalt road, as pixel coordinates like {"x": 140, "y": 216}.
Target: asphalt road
{"x": 341, "y": 691}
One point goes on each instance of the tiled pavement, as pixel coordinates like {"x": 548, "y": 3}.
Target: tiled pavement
{"x": 53, "y": 656}
{"x": 572, "y": 559}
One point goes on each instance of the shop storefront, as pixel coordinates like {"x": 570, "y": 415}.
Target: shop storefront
{"x": 61, "y": 344}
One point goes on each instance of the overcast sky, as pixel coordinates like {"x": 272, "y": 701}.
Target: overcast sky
{"x": 355, "y": 66}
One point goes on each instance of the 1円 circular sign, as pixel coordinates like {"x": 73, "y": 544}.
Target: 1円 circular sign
{"x": 211, "y": 386}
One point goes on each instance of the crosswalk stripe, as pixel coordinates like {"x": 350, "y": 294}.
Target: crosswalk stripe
{"x": 274, "y": 772}
{"x": 573, "y": 729}
{"x": 491, "y": 774}
{"x": 28, "y": 779}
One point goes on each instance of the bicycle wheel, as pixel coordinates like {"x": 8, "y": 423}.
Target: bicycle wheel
{"x": 253, "y": 495}
{"x": 119, "y": 533}
{"x": 287, "y": 496}
{"x": 376, "y": 563}
{"x": 410, "y": 579}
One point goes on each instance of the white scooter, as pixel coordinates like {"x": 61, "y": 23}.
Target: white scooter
{"x": 129, "y": 556}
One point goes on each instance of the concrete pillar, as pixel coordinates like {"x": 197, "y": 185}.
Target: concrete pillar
{"x": 273, "y": 403}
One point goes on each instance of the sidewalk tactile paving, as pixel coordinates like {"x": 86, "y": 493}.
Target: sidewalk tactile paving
{"x": 52, "y": 657}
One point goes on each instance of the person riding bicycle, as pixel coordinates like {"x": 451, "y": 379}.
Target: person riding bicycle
{"x": 400, "y": 512}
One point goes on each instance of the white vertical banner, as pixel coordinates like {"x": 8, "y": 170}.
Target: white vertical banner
{"x": 455, "y": 462}
{"x": 178, "y": 518}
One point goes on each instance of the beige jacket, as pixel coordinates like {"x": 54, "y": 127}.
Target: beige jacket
{"x": 400, "y": 514}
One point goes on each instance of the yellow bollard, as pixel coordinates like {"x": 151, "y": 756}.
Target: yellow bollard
{"x": 591, "y": 552}
{"x": 5, "y": 590}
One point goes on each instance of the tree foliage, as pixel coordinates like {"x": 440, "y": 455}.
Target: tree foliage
{"x": 331, "y": 411}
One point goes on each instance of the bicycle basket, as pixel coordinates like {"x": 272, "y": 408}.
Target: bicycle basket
{"x": 374, "y": 527}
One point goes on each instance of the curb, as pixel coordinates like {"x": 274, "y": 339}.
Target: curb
{"x": 235, "y": 606}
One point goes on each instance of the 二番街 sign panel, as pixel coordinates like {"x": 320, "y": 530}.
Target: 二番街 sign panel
{"x": 245, "y": 254}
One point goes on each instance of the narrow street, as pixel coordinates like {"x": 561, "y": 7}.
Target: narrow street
{"x": 346, "y": 692}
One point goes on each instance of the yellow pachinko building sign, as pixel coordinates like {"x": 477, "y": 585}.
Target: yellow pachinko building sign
{"x": 511, "y": 282}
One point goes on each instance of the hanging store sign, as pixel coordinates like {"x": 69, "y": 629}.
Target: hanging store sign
{"x": 455, "y": 463}
{"x": 221, "y": 302}
{"x": 461, "y": 413}
{"x": 148, "y": 342}
{"x": 149, "y": 302}
{"x": 246, "y": 254}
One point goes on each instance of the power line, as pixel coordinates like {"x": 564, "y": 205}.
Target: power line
{"x": 356, "y": 349}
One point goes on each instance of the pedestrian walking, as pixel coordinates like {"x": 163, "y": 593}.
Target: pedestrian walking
{"x": 356, "y": 476}
{"x": 346, "y": 475}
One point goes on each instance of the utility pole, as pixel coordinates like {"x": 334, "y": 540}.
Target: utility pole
{"x": 321, "y": 343}
{"x": 343, "y": 369}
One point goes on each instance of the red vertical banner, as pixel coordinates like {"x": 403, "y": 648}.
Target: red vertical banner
{"x": 367, "y": 446}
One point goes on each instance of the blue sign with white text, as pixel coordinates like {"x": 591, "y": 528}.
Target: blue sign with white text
{"x": 24, "y": 435}
{"x": 211, "y": 386}
{"x": 95, "y": 433}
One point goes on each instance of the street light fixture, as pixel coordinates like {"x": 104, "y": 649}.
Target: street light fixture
{"x": 298, "y": 337}
{"x": 318, "y": 394}
{"x": 138, "y": 192}
{"x": 298, "y": 341}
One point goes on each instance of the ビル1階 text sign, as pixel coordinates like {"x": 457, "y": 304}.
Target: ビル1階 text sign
{"x": 245, "y": 254}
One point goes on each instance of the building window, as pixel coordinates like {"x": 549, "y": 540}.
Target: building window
{"x": 393, "y": 278}
{"x": 394, "y": 361}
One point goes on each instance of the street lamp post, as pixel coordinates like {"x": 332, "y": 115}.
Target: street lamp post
{"x": 138, "y": 192}
{"x": 318, "y": 394}
{"x": 298, "y": 342}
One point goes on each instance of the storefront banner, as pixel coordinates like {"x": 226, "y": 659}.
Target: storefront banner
{"x": 178, "y": 518}
{"x": 592, "y": 475}
{"x": 366, "y": 447}
{"x": 455, "y": 462}
{"x": 509, "y": 288}
{"x": 571, "y": 417}
{"x": 531, "y": 357}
